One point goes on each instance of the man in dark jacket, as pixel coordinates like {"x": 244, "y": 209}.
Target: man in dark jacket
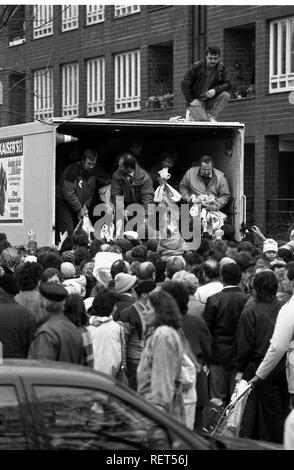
{"x": 17, "y": 324}
{"x": 74, "y": 192}
{"x": 58, "y": 339}
{"x": 131, "y": 182}
{"x": 221, "y": 313}
{"x": 206, "y": 87}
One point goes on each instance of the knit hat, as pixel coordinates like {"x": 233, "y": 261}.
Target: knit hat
{"x": 138, "y": 253}
{"x": 54, "y": 292}
{"x": 30, "y": 258}
{"x": 124, "y": 282}
{"x": 68, "y": 256}
{"x": 9, "y": 284}
{"x": 270, "y": 245}
{"x": 143, "y": 287}
{"x": 67, "y": 270}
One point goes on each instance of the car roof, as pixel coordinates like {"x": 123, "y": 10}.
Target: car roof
{"x": 58, "y": 370}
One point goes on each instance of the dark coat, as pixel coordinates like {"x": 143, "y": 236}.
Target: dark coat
{"x": 58, "y": 339}
{"x": 221, "y": 313}
{"x": 255, "y": 329}
{"x": 139, "y": 190}
{"x": 76, "y": 186}
{"x": 17, "y": 328}
{"x": 196, "y": 76}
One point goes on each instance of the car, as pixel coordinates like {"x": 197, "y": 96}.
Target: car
{"x": 46, "y": 405}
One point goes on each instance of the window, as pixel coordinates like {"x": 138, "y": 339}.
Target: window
{"x": 43, "y": 94}
{"x": 70, "y": 90}
{"x": 95, "y": 86}
{"x": 43, "y": 20}
{"x": 85, "y": 419}
{"x": 127, "y": 81}
{"x": 282, "y": 55}
{"x": 95, "y": 14}
{"x": 12, "y": 436}
{"x": 70, "y": 17}
{"x": 123, "y": 10}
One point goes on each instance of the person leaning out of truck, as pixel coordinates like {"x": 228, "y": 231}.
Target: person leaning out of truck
{"x": 75, "y": 191}
{"x": 205, "y": 180}
{"x": 131, "y": 182}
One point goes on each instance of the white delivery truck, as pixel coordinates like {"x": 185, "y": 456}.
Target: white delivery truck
{"x": 33, "y": 155}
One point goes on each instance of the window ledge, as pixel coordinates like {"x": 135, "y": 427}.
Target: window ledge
{"x": 17, "y": 42}
{"x": 243, "y": 98}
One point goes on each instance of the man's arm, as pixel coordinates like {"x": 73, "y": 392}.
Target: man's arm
{"x": 226, "y": 83}
{"x": 279, "y": 343}
{"x": 186, "y": 85}
{"x": 115, "y": 190}
{"x": 223, "y": 193}
{"x": 184, "y": 187}
{"x": 70, "y": 195}
{"x": 147, "y": 193}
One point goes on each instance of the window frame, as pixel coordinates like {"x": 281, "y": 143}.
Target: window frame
{"x": 123, "y": 81}
{"x": 92, "y": 10}
{"x": 41, "y": 113}
{"x": 276, "y": 52}
{"x": 125, "y": 10}
{"x": 45, "y": 29}
{"x": 70, "y": 109}
{"x": 69, "y": 21}
{"x": 96, "y": 85}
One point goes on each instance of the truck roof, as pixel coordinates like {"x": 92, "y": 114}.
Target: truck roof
{"x": 78, "y": 127}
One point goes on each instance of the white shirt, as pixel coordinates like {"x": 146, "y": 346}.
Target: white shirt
{"x": 207, "y": 290}
{"x": 279, "y": 343}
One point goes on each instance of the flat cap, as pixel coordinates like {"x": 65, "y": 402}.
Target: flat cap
{"x": 52, "y": 291}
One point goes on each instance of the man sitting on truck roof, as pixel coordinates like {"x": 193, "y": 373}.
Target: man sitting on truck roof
{"x": 74, "y": 192}
{"x": 206, "y": 87}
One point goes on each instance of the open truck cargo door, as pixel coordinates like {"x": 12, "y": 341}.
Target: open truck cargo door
{"x": 27, "y": 163}
{"x": 224, "y": 141}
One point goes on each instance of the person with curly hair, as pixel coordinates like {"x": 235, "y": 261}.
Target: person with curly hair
{"x": 28, "y": 276}
{"x": 159, "y": 369}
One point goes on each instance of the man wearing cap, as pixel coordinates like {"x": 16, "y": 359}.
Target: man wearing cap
{"x": 133, "y": 316}
{"x": 58, "y": 339}
{"x": 17, "y": 323}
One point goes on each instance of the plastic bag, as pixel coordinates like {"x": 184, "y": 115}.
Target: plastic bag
{"x": 166, "y": 193}
{"x": 105, "y": 197}
{"x": 87, "y": 226}
{"x": 236, "y": 409}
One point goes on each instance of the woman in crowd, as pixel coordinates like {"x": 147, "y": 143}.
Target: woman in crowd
{"x": 268, "y": 403}
{"x": 159, "y": 370}
{"x": 105, "y": 332}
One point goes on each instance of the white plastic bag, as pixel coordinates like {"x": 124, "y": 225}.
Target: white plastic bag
{"x": 166, "y": 193}
{"x": 87, "y": 226}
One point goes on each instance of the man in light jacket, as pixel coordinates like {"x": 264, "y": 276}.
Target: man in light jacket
{"x": 205, "y": 184}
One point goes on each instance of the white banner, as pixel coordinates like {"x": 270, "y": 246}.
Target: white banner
{"x": 11, "y": 180}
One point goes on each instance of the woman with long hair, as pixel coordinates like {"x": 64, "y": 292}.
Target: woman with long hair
{"x": 159, "y": 370}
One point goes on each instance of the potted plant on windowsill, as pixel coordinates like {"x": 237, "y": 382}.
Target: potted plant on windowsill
{"x": 164, "y": 101}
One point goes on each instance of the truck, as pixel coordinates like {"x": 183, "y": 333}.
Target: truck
{"x": 33, "y": 156}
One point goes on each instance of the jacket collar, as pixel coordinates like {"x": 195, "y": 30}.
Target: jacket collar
{"x": 138, "y": 176}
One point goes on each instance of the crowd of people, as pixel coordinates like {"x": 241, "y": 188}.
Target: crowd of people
{"x": 188, "y": 327}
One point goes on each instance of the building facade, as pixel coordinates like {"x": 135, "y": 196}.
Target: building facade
{"x": 127, "y": 61}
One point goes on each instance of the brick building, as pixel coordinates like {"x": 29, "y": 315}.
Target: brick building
{"x": 257, "y": 43}
{"x": 128, "y": 62}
